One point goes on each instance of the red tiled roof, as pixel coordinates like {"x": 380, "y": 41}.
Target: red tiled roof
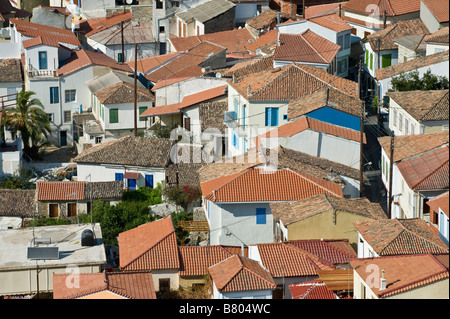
{"x": 187, "y": 101}
{"x": 290, "y": 82}
{"x": 56, "y": 191}
{"x": 331, "y": 21}
{"x": 333, "y": 251}
{"x": 314, "y": 10}
{"x": 150, "y": 246}
{"x": 50, "y": 36}
{"x": 92, "y": 26}
{"x": 195, "y": 260}
{"x": 439, "y": 8}
{"x": 146, "y": 64}
{"x": 400, "y": 236}
{"x": 429, "y": 171}
{"x": 166, "y": 82}
{"x": 292, "y": 128}
{"x": 83, "y": 58}
{"x": 440, "y": 202}
{"x": 256, "y": 185}
{"x": 263, "y": 40}
{"x": 440, "y": 36}
{"x": 234, "y": 41}
{"x": 402, "y": 273}
{"x": 238, "y": 273}
{"x": 307, "y": 47}
{"x": 132, "y": 285}
{"x": 392, "y": 7}
{"x": 315, "y": 289}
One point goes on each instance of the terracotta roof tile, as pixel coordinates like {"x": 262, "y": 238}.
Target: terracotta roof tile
{"x": 238, "y": 273}
{"x": 243, "y": 69}
{"x": 293, "y": 128}
{"x": 414, "y": 64}
{"x": 17, "y": 202}
{"x": 402, "y": 273}
{"x": 92, "y": 26}
{"x": 83, "y": 58}
{"x": 406, "y": 146}
{"x": 149, "y": 246}
{"x": 392, "y": 7}
{"x": 69, "y": 191}
{"x": 233, "y": 40}
{"x": 388, "y": 35}
{"x": 440, "y": 36}
{"x": 255, "y": 185}
{"x": 10, "y": 70}
{"x": 290, "y": 82}
{"x": 307, "y": 47}
{"x": 266, "y": 19}
{"x": 423, "y": 105}
{"x": 146, "y": 64}
{"x": 331, "y": 21}
{"x": 129, "y": 150}
{"x": 400, "y": 236}
{"x": 439, "y": 8}
{"x": 334, "y": 251}
{"x": 315, "y": 289}
{"x": 195, "y": 260}
{"x": 314, "y": 10}
{"x": 428, "y": 171}
{"x": 131, "y": 285}
{"x": 48, "y": 35}
{"x": 295, "y": 211}
{"x": 440, "y": 202}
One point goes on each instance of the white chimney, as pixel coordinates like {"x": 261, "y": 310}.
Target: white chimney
{"x": 382, "y": 281}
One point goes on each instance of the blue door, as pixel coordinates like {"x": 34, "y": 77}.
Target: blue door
{"x": 131, "y": 184}
{"x": 43, "y": 60}
{"x": 63, "y": 138}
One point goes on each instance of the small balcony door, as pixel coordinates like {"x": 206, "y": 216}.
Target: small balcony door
{"x": 43, "y": 63}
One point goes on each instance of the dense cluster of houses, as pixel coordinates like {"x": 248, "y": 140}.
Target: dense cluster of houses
{"x": 265, "y": 106}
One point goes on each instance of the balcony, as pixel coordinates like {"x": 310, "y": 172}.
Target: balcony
{"x": 33, "y": 73}
{"x": 231, "y": 120}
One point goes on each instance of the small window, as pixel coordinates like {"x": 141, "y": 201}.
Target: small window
{"x": 400, "y": 121}
{"x": 67, "y": 116}
{"x": 285, "y": 117}
{"x": 120, "y": 57}
{"x": 271, "y": 116}
{"x": 149, "y": 181}
{"x": 386, "y": 60}
{"x": 98, "y": 139}
{"x": 164, "y": 284}
{"x": 71, "y": 209}
{"x": 162, "y": 29}
{"x": 114, "y": 116}
{"x": 142, "y": 110}
{"x": 53, "y": 210}
{"x": 260, "y": 216}
{"x": 70, "y": 95}
{"x": 50, "y": 117}
{"x": 54, "y": 95}
{"x": 159, "y": 4}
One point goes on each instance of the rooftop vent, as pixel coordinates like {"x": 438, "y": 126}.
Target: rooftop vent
{"x": 87, "y": 238}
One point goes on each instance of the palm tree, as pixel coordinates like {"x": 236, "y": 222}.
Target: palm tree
{"x": 28, "y": 118}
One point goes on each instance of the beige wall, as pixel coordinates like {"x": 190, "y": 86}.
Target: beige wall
{"x": 323, "y": 226}
{"x": 171, "y": 274}
{"x": 103, "y": 295}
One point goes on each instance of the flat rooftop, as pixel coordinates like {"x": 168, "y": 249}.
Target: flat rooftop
{"x": 14, "y": 245}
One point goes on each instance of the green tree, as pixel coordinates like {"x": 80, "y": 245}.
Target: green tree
{"x": 412, "y": 81}
{"x": 28, "y": 118}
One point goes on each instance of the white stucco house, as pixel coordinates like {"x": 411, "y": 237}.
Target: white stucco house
{"x": 439, "y": 218}
{"x": 137, "y": 161}
{"x": 237, "y": 217}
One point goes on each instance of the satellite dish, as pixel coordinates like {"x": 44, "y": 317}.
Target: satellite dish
{"x": 129, "y": 1}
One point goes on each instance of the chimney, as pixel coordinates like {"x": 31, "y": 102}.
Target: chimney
{"x": 249, "y": 90}
{"x": 340, "y": 10}
{"x": 382, "y": 281}
{"x": 278, "y": 17}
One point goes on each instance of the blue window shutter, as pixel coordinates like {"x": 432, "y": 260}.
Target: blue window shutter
{"x": 149, "y": 181}
{"x": 274, "y": 117}
{"x": 268, "y": 116}
{"x": 119, "y": 177}
{"x": 260, "y": 215}
{"x": 131, "y": 184}
{"x": 43, "y": 60}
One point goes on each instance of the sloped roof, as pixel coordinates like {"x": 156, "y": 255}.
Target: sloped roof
{"x": 402, "y": 273}
{"x": 439, "y": 8}
{"x": 440, "y": 36}
{"x": 83, "y": 58}
{"x": 266, "y": 43}
{"x": 206, "y": 11}
{"x": 411, "y": 65}
{"x": 50, "y": 36}
{"x": 423, "y": 105}
{"x": 290, "y": 82}
{"x": 238, "y": 273}
{"x": 150, "y": 246}
{"x": 315, "y": 289}
{"x": 130, "y": 285}
{"x": 17, "y": 202}
{"x": 92, "y": 26}
{"x": 234, "y": 41}
{"x": 10, "y": 70}
{"x": 400, "y": 236}
{"x": 406, "y": 146}
{"x": 334, "y": 251}
{"x": 307, "y": 47}
{"x": 243, "y": 69}
{"x": 129, "y": 150}
{"x": 392, "y": 7}
{"x": 440, "y": 202}
{"x": 70, "y": 191}
{"x": 400, "y": 29}
{"x": 428, "y": 171}
{"x": 257, "y": 185}
{"x": 195, "y": 260}
{"x": 266, "y": 19}
{"x": 331, "y": 21}
{"x": 295, "y": 211}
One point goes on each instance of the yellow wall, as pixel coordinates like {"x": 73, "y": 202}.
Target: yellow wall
{"x": 322, "y": 226}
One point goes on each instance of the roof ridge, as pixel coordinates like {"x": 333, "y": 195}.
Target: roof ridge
{"x": 431, "y": 173}
{"x": 310, "y": 45}
{"x": 436, "y": 104}
{"x": 251, "y": 271}
{"x": 308, "y": 177}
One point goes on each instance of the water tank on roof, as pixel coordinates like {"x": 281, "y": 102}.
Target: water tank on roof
{"x": 87, "y": 238}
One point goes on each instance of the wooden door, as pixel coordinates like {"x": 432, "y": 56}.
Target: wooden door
{"x": 53, "y": 210}
{"x": 71, "y": 209}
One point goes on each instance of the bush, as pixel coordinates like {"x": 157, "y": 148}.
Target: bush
{"x": 183, "y": 195}
{"x": 151, "y": 196}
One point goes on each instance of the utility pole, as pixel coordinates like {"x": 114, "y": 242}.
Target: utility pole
{"x": 123, "y": 44}
{"x": 391, "y": 170}
{"x": 361, "y": 155}
{"x": 135, "y": 89}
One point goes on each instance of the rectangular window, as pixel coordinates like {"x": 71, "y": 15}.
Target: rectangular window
{"x": 119, "y": 177}
{"x": 371, "y": 61}
{"x": 406, "y": 126}
{"x": 413, "y": 129}
{"x": 67, "y": 116}
{"x": 400, "y": 121}
{"x": 53, "y": 210}
{"x": 120, "y": 57}
{"x": 340, "y": 41}
{"x": 70, "y": 95}
{"x": 386, "y": 60}
{"x": 271, "y": 116}
{"x": 394, "y": 116}
{"x": 367, "y": 58}
{"x": 347, "y": 41}
{"x": 98, "y": 139}
{"x": 50, "y": 117}
{"x": 54, "y": 94}
{"x": 114, "y": 116}
{"x": 149, "y": 181}
{"x": 260, "y": 215}
{"x": 142, "y": 110}
{"x": 43, "y": 65}
{"x": 71, "y": 209}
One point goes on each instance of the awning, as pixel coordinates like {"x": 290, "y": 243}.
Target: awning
{"x": 131, "y": 175}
